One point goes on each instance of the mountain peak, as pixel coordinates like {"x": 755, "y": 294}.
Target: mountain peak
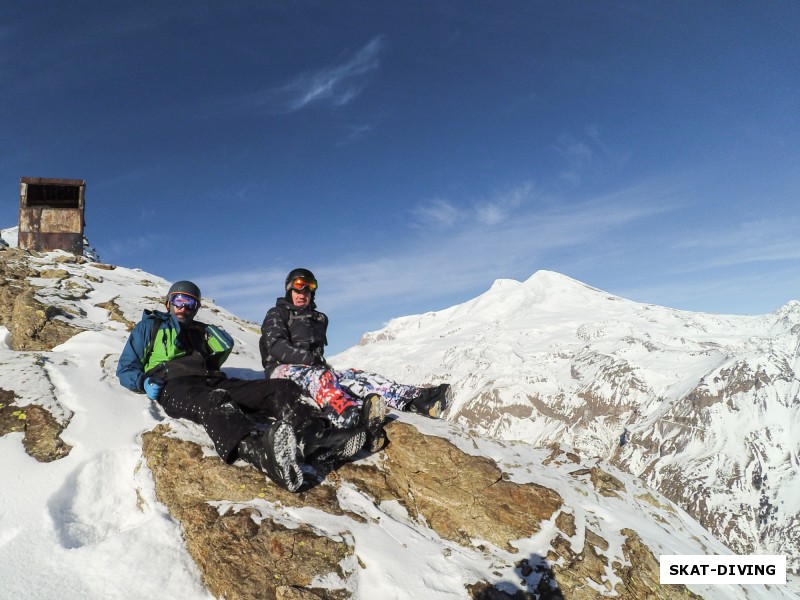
{"x": 662, "y": 393}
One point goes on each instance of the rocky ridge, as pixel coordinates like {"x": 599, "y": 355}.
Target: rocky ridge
{"x": 461, "y": 497}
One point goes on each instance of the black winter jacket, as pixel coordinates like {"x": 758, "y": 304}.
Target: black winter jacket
{"x": 291, "y": 335}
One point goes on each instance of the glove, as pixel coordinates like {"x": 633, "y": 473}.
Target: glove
{"x": 153, "y": 388}
{"x": 317, "y": 359}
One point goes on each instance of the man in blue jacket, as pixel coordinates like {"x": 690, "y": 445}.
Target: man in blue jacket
{"x": 176, "y": 360}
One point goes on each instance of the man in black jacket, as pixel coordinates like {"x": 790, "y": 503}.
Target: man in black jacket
{"x": 292, "y": 345}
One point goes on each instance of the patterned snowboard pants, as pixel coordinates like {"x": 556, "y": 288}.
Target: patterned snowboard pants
{"x": 339, "y": 394}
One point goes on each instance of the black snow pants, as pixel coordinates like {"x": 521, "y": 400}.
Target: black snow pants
{"x": 228, "y": 418}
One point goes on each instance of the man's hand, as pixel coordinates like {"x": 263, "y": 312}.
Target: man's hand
{"x": 153, "y": 388}
{"x": 317, "y": 358}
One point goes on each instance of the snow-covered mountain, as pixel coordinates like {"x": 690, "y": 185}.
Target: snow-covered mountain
{"x": 103, "y": 497}
{"x": 702, "y": 407}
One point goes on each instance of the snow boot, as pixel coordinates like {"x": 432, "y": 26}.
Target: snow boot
{"x": 274, "y": 453}
{"x": 431, "y": 401}
{"x": 319, "y": 442}
{"x": 354, "y": 440}
{"x": 373, "y": 415}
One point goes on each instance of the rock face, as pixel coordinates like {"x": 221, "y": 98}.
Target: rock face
{"x": 240, "y": 557}
{"x": 245, "y": 550}
{"x": 42, "y": 431}
{"x": 461, "y": 497}
{"x": 702, "y": 407}
{"x": 33, "y": 324}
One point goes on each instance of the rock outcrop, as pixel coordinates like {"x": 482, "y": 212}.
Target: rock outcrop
{"x": 42, "y": 432}
{"x": 246, "y": 551}
{"x": 33, "y": 324}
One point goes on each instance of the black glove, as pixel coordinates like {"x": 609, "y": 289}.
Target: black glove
{"x": 317, "y": 358}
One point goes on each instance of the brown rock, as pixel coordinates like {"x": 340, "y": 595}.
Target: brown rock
{"x": 115, "y": 312}
{"x": 34, "y": 325}
{"x": 604, "y": 483}
{"x": 58, "y": 274}
{"x": 42, "y": 432}
{"x": 240, "y": 558}
{"x": 103, "y": 266}
{"x": 244, "y": 555}
{"x": 459, "y": 496}
{"x": 641, "y": 578}
{"x": 566, "y": 523}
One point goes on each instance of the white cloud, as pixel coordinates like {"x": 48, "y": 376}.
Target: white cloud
{"x": 437, "y": 213}
{"x": 763, "y": 240}
{"x": 356, "y": 132}
{"x": 578, "y": 156}
{"x": 464, "y": 255}
{"x": 337, "y": 85}
{"x": 442, "y": 213}
{"x": 504, "y": 206}
{"x": 586, "y": 155}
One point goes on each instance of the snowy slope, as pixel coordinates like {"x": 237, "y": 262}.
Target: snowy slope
{"x": 703, "y": 407}
{"x": 88, "y": 526}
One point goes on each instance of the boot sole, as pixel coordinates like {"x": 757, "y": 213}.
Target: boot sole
{"x": 284, "y": 445}
{"x": 374, "y": 417}
{"x": 374, "y": 410}
{"x": 350, "y": 448}
{"x": 435, "y": 410}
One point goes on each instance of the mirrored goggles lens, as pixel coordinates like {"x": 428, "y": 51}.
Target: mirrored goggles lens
{"x": 301, "y": 284}
{"x": 184, "y": 301}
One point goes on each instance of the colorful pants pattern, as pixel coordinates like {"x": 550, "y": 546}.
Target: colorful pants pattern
{"x": 339, "y": 393}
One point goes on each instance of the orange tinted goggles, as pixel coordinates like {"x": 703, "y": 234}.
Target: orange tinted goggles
{"x": 301, "y": 284}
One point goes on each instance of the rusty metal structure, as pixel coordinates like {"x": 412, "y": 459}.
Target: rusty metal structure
{"x": 51, "y": 214}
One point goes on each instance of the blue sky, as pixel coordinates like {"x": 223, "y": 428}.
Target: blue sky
{"x": 410, "y": 153}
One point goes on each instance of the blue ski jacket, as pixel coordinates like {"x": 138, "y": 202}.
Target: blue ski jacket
{"x": 155, "y": 342}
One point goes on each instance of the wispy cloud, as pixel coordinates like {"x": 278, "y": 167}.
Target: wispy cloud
{"x": 336, "y": 85}
{"x": 762, "y": 291}
{"x": 440, "y": 213}
{"x": 762, "y": 240}
{"x": 130, "y": 246}
{"x": 578, "y": 156}
{"x": 463, "y": 250}
{"x": 504, "y": 206}
{"x": 355, "y": 133}
{"x": 437, "y": 213}
{"x": 585, "y": 154}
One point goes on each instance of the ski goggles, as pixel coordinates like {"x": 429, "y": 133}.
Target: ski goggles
{"x": 184, "y": 301}
{"x": 301, "y": 284}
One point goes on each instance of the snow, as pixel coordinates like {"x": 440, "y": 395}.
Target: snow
{"x": 9, "y": 236}
{"x": 88, "y": 526}
{"x": 532, "y": 352}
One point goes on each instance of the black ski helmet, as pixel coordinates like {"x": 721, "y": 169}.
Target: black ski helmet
{"x": 294, "y": 274}
{"x": 184, "y": 287}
